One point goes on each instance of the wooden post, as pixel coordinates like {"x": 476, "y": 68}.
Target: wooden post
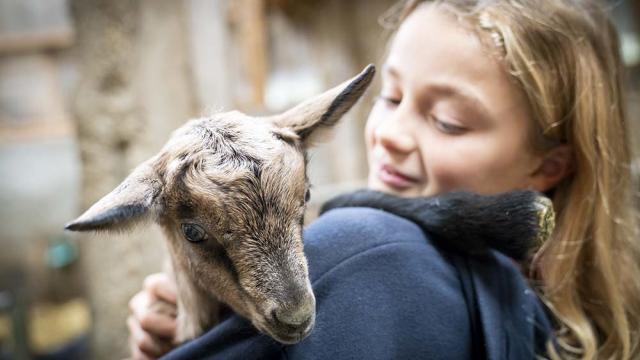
{"x": 134, "y": 89}
{"x": 253, "y": 46}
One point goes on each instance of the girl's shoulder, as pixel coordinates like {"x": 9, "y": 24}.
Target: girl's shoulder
{"x": 388, "y": 272}
{"x": 340, "y": 235}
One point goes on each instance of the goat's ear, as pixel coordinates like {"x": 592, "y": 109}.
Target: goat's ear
{"x": 313, "y": 118}
{"x": 131, "y": 202}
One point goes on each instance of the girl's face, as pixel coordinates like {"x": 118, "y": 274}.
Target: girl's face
{"x": 448, "y": 117}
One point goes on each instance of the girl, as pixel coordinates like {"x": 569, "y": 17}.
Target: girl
{"x": 490, "y": 96}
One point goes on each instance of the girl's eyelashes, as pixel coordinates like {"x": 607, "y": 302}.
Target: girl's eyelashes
{"x": 389, "y": 100}
{"x": 448, "y": 128}
{"x": 443, "y": 126}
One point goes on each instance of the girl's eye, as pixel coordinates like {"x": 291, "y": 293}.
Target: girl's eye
{"x": 307, "y": 195}
{"x": 193, "y": 233}
{"x": 449, "y": 128}
{"x": 390, "y": 100}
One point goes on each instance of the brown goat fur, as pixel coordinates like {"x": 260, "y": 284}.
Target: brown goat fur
{"x": 229, "y": 192}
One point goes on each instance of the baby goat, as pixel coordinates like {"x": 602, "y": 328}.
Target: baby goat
{"x": 229, "y": 193}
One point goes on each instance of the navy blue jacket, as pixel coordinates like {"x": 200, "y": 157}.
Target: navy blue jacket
{"x": 383, "y": 291}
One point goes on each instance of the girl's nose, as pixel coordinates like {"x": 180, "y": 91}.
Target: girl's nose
{"x": 395, "y": 136}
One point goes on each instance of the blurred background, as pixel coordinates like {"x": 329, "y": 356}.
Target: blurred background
{"x": 91, "y": 88}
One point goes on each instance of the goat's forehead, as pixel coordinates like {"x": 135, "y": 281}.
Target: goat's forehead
{"x": 249, "y": 199}
{"x": 229, "y": 133}
{"x": 282, "y": 176}
{"x": 234, "y": 155}
{"x": 233, "y": 132}
{"x": 231, "y": 125}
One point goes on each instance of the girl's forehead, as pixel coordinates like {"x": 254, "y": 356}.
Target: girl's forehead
{"x": 433, "y": 36}
{"x": 433, "y": 50}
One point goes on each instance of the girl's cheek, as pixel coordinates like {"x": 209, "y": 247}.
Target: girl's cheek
{"x": 445, "y": 178}
{"x": 450, "y": 173}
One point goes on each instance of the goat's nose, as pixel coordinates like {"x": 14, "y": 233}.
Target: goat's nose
{"x": 297, "y": 315}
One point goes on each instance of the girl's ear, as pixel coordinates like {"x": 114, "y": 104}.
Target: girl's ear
{"x": 555, "y": 166}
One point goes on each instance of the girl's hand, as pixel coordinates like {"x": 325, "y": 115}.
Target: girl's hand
{"x": 152, "y": 318}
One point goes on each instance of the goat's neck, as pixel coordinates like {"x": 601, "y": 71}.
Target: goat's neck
{"x": 197, "y": 311}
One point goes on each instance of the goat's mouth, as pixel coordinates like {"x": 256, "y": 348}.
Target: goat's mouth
{"x": 286, "y": 333}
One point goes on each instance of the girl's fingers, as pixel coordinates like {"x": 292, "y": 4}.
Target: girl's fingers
{"x": 139, "y": 304}
{"x": 159, "y": 322}
{"x": 143, "y": 344}
{"x": 156, "y": 317}
{"x": 152, "y": 323}
{"x": 136, "y": 354}
{"x": 161, "y": 286}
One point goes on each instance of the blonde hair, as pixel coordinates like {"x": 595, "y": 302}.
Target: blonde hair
{"x": 564, "y": 56}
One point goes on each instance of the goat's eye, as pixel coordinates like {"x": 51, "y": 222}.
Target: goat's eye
{"x": 307, "y": 195}
{"x": 193, "y": 232}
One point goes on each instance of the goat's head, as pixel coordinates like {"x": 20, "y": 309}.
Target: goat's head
{"x": 230, "y": 193}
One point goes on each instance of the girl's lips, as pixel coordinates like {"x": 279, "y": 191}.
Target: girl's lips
{"x": 395, "y": 179}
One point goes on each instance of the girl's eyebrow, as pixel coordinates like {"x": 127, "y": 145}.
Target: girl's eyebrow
{"x": 447, "y": 90}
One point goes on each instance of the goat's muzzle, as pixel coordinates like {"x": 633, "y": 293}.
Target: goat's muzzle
{"x": 291, "y": 322}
